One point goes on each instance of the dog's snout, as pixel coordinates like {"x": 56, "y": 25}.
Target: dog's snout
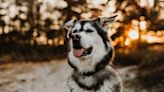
{"x": 76, "y": 41}
{"x": 76, "y": 37}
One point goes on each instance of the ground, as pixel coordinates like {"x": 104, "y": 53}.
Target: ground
{"x": 34, "y": 77}
{"x": 51, "y": 75}
{"x": 47, "y": 76}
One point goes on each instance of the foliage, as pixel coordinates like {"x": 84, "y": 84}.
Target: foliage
{"x": 39, "y": 22}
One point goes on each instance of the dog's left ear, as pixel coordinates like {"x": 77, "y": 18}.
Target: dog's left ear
{"x": 106, "y": 22}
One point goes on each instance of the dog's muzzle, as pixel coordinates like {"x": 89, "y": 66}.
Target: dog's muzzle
{"x": 78, "y": 50}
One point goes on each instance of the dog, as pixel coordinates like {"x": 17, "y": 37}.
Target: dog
{"x": 89, "y": 55}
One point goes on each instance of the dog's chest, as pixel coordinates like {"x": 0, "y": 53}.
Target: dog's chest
{"x": 102, "y": 81}
{"x": 88, "y": 81}
{"x": 91, "y": 81}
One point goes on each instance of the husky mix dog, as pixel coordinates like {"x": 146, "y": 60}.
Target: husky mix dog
{"x": 90, "y": 53}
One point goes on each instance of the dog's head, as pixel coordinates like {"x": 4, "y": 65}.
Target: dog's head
{"x": 88, "y": 37}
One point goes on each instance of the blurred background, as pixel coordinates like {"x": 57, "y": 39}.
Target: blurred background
{"x": 33, "y": 44}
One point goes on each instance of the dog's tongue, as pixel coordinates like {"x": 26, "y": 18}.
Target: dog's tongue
{"x": 78, "y": 52}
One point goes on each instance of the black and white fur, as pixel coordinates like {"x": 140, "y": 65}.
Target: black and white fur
{"x": 91, "y": 70}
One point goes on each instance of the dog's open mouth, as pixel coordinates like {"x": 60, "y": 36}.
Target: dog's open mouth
{"x": 82, "y": 51}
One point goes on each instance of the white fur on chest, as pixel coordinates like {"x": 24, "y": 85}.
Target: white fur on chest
{"x": 107, "y": 86}
{"x": 88, "y": 81}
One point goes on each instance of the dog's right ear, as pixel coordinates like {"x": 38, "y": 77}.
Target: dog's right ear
{"x": 68, "y": 25}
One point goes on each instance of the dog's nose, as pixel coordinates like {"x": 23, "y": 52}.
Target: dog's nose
{"x": 76, "y": 37}
{"x": 76, "y": 41}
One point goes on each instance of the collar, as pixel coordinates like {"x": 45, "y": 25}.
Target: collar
{"x": 88, "y": 73}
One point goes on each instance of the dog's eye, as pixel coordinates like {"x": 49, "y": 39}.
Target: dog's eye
{"x": 89, "y": 31}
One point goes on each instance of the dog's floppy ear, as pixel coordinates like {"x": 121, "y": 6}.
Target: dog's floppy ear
{"x": 68, "y": 25}
{"x": 106, "y": 22}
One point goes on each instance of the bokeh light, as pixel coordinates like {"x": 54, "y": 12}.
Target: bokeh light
{"x": 133, "y": 34}
{"x": 42, "y": 19}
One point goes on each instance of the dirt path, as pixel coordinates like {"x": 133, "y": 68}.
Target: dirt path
{"x": 40, "y": 77}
